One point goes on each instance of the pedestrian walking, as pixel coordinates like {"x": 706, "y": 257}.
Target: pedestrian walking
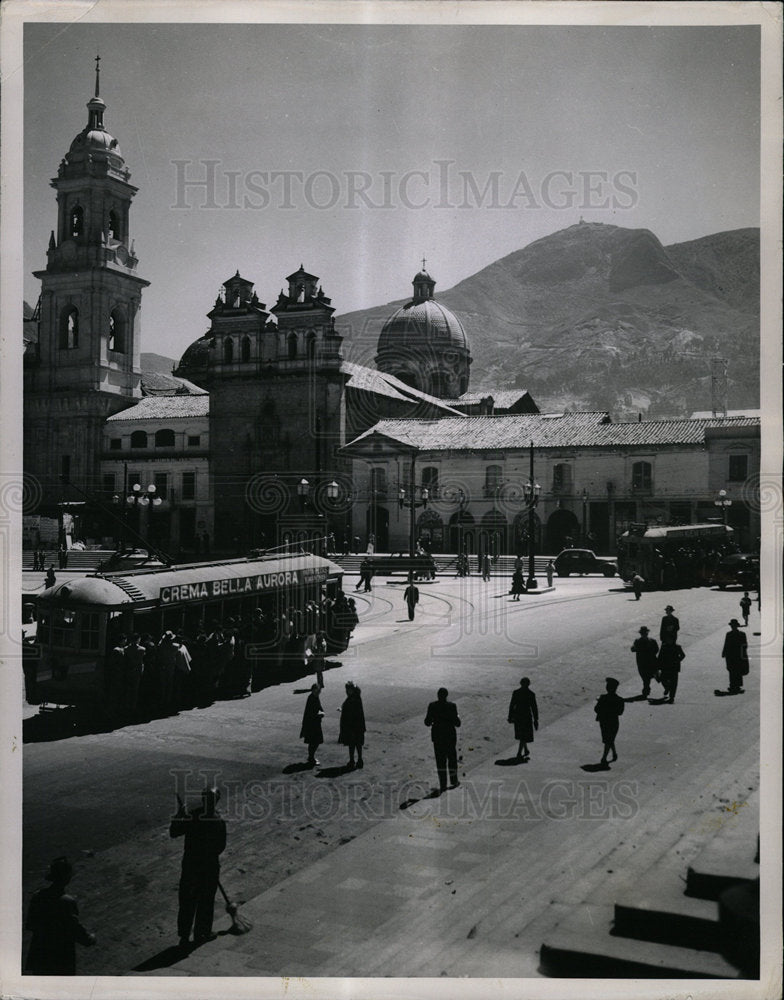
{"x": 670, "y": 626}
{"x": 486, "y": 566}
{"x": 51, "y": 579}
{"x": 318, "y": 653}
{"x": 637, "y": 582}
{"x": 53, "y": 919}
{"x": 204, "y": 830}
{"x": 518, "y": 585}
{"x": 736, "y": 657}
{"x": 524, "y": 715}
{"x": 645, "y": 650}
{"x": 609, "y": 708}
{"x": 549, "y": 570}
{"x": 311, "y": 731}
{"x": 371, "y": 545}
{"x": 352, "y": 724}
{"x": 669, "y": 659}
{"x": 411, "y": 597}
{"x": 745, "y": 607}
{"x": 443, "y": 720}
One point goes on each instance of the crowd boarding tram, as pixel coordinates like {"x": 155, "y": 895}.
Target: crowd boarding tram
{"x": 672, "y": 556}
{"x": 80, "y": 620}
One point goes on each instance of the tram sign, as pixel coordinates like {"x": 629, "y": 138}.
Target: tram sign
{"x": 236, "y": 586}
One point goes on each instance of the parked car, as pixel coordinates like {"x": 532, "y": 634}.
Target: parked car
{"x": 583, "y": 561}
{"x": 741, "y": 569}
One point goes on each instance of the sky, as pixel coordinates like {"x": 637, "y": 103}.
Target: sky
{"x": 357, "y": 150}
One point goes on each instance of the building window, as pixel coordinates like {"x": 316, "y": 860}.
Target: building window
{"x": 114, "y": 226}
{"x": 76, "y": 221}
{"x": 134, "y": 478}
{"x": 739, "y": 468}
{"x": 228, "y": 350}
{"x": 69, "y": 329}
{"x": 164, "y": 439}
{"x": 139, "y": 439}
{"x": 189, "y": 486}
{"x": 378, "y": 484}
{"x": 430, "y": 479}
{"x": 405, "y": 473}
{"x": 116, "y": 332}
{"x": 641, "y": 476}
{"x": 292, "y": 346}
{"x": 115, "y": 444}
{"x": 246, "y": 348}
{"x": 194, "y": 440}
{"x": 562, "y": 478}
{"x": 493, "y": 480}
{"x": 109, "y": 482}
{"x": 311, "y": 346}
{"x": 161, "y": 484}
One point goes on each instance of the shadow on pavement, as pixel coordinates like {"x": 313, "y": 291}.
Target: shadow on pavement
{"x": 302, "y": 766}
{"x": 163, "y": 960}
{"x": 594, "y": 767}
{"x": 511, "y": 761}
{"x": 335, "y": 772}
{"x": 434, "y": 793}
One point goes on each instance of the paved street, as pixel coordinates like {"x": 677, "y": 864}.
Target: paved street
{"x": 465, "y": 884}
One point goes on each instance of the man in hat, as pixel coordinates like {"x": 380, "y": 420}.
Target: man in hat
{"x": 670, "y": 656}
{"x": 670, "y": 626}
{"x": 609, "y": 708}
{"x": 204, "y": 831}
{"x": 736, "y": 656}
{"x": 53, "y": 918}
{"x": 411, "y": 597}
{"x": 645, "y": 650}
{"x": 444, "y": 721}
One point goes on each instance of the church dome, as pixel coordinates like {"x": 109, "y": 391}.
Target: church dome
{"x": 425, "y": 345}
{"x": 422, "y": 322}
{"x": 196, "y": 358}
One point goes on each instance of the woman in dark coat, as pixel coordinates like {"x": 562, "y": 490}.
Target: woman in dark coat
{"x": 518, "y": 587}
{"x": 352, "y": 724}
{"x": 524, "y": 714}
{"x": 311, "y": 724}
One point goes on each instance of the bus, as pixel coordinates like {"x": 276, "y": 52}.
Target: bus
{"x": 80, "y": 620}
{"x": 668, "y": 557}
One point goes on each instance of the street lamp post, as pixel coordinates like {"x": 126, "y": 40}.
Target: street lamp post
{"x": 407, "y": 498}
{"x": 531, "y": 493}
{"x": 584, "y": 498}
{"x": 140, "y": 499}
{"x": 723, "y": 501}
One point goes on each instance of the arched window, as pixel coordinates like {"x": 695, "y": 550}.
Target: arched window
{"x": 641, "y": 476}
{"x": 139, "y": 439}
{"x": 292, "y": 342}
{"x": 117, "y": 332}
{"x": 69, "y": 328}
{"x": 76, "y": 222}
{"x": 245, "y": 349}
{"x": 228, "y": 350}
{"x": 114, "y": 226}
{"x": 493, "y": 480}
{"x": 311, "y": 346}
{"x": 164, "y": 439}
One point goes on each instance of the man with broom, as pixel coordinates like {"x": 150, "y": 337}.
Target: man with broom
{"x": 205, "y": 839}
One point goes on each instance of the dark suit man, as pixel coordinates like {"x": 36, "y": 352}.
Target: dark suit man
{"x": 670, "y": 626}
{"x": 411, "y": 597}
{"x": 645, "y": 650}
{"x": 443, "y": 720}
{"x": 205, "y": 839}
{"x": 736, "y": 656}
{"x": 670, "y": 656}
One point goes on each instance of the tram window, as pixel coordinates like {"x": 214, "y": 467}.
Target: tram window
{"x": 64, "y": 628}
{"x": 192, "y": 616}
{"x": 231, "y": 608}
{"x": 88, "y": 630}
{"x": 172, "y": 620}
{"x": 212, "y": 614}
{"x": 42, "y": 631}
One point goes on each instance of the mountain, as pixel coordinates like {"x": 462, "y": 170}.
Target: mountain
{"x": 602, "y": 317}
{"x": 157, "y": 363}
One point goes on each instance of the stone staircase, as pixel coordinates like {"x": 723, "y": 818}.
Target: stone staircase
{"x": 671, "y": 926}
{"x": 79, "y": 559}
{"x": 446, "y": 564}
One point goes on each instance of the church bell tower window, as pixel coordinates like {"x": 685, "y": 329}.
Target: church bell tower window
{"x": 114, "y": 226}
{"x": 292, "y": 346}
{"x": 245, "y": 349}
{"x": 228, "y": 350}
{"x": 116, "y": 333}
{"x": 69, "y": 329}
{"x": 76, "y": 221}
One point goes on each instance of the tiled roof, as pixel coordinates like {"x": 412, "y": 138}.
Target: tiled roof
{"x": 163, "y": 384}
{"x": 371, "y": 380}
{"x": 547, "y": 430}
{"x": 156, "y": 407}
{"x": 702, "y": 414}
{"x": 502, "y": 398}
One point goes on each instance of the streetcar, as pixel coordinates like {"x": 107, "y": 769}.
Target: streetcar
{"x": 80, "y": 620}
{"x": 671, "y": 556}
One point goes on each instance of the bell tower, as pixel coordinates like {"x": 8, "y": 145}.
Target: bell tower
{"x": 86, "y": 364}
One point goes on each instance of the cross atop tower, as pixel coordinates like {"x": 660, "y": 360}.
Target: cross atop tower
{"x": 424, "y": 261}
{"x": 97, "y": 75}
